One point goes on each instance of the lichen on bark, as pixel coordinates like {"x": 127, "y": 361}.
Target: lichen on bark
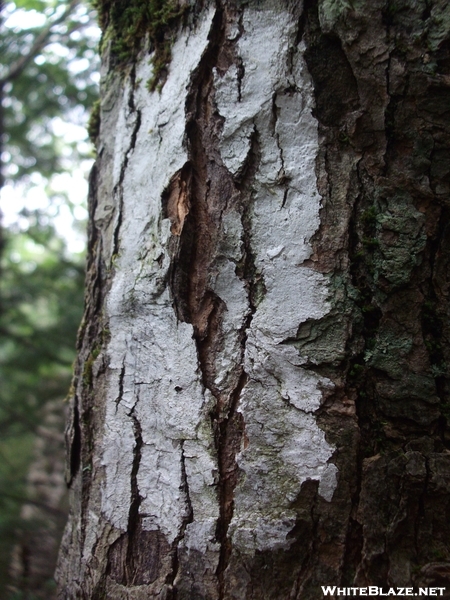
{"x": 268, "y": 256}
{"x": 129, "y": 27}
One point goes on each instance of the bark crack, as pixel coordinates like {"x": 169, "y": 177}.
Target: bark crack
{"x": 188, "y": 518}
{"x": 281, "y": 174}
{"x": 303, "y": 573}
{"x": 240, "y": 63}
{"x": 282, "y": 179}
{"x": 121, "y": 380}
{"x": 134, "y": 519}
{"x": 240, "y": 76}
{"x": 231, "y": 427}
{"x": 118, "y": 188}
{"x": 229, "y": 432}
{"x": 211, "y": 191}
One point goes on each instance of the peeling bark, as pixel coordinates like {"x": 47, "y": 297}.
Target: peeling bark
{"x": 261, "y": 395}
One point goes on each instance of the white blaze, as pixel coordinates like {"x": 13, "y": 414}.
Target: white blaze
{"x": 153, "y": 357}
{"x": 284, "y": 445}
{"x": 156, "y": 354}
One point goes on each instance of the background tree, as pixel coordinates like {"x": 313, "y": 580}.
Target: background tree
{"x": 261, "y": 397}
{"x": 47, "y": 81}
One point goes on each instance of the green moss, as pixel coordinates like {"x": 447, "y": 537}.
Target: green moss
{"x": 386, "y": 352}
{"x": 88, "y": 366}
{"x": 370, "y": 242}
{"x": 126, "y": 23}
{"x": 369, "y": 216}
{"x": 343, "y": 137}
{"x": 94, "y": 122}
{"x": 160, "y": 62}
{"x": 357, "y": 371}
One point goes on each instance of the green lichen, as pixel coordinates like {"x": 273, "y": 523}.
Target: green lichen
{"x": 330, "y": 11}
{"x": 127, "y": 23}
{"x": 440, "y": 25}
{"x": 387, "y": 352}
{"x": 370, "y": 243}
{"x": 105, "y": 335}
{"x": 391, "y": 240}
{"x": 356, "y": 372}
{"x": 402, "y": 239}
{"x": 344, "y": 138}
{"x": 259, "y": 290}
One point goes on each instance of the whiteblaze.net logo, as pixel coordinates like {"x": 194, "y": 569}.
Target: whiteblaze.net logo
{"x": 373, "y": 590}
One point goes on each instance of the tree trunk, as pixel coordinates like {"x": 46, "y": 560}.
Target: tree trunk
{"x": 261, "y": 397}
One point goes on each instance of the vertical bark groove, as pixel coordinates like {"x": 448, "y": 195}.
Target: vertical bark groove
{"x": 171, "y": 578}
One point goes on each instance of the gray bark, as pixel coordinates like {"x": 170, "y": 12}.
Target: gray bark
{"x": 261, "y": 397}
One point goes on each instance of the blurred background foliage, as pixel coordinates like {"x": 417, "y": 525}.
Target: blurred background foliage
{"x": 48, "y": 82}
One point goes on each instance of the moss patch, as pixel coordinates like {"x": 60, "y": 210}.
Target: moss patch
{"x": 126, "y": 24}
{"x": 94, "y": 122}
{"x": 88, "y": 366}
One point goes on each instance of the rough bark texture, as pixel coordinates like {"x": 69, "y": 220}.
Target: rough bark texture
{"x": 262, "y": 397}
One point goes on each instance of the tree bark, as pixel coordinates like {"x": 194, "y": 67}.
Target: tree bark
{"x": 261, "y": 398}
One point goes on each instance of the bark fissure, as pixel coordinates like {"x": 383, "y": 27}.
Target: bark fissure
{"x": 310, "y": 555}
{"x": 210, "y": 191}
{"x": 201, "y": 305}
{"x": 75, "y": 444}
{"x": 432, "y": 322}
{"x": 230, "y": 425}
{"x": 131, "y": 570}
{"x": 282, "y": 179}
{"x": 118, "y": 189}
{"x": 229, "y": 431}
{"x": 247, "y": 270}
{"x": 188, "y": 518}
{"x": 121, "y": 380}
